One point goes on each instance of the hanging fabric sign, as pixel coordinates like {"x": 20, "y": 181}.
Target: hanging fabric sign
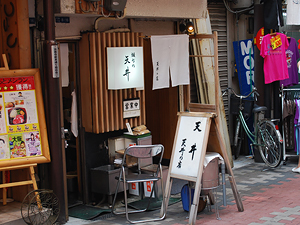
{"x": 244, "y": 57}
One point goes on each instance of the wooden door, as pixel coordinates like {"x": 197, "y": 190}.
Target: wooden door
{"x": 161, "y": 107}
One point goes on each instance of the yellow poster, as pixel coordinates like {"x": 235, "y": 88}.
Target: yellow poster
{"x": 19, "y": 126}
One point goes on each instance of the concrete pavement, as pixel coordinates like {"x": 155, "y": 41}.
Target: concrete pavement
{"x": 269, "y": 196}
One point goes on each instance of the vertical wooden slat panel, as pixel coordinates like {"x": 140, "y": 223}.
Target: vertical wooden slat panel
{"x": 138, "y": 93}
{"x": 105, "y": 107}
{"x": 142, "y": 93}
{"x": 129, "y": 91}
{"x": 133, "y": 90}
{"x": 123, "y": 44}
{"x": 116, "y": 100}
{"x": 110, "y": 92}
{"x": 93, "y": 64}
{"x": 120, "y": 92}
{"x": 104, "y": 88}
{"x": 100, "y": 83}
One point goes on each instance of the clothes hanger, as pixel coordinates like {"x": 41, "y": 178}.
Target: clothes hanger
{"x": 272, "y": 33}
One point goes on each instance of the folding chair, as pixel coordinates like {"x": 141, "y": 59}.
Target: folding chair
{"x": 140, "y": 152}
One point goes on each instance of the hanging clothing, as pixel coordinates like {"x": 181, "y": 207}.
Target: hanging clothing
{"x": 272, "y": 14}
{"x": 288, "y": 116}
{"x": 292, "y": 12}
{"x": 170, "y": 53}
{"x": 292, "y": 55}
{"x": 297, "y": 126}
{"x": 275, "y": 65}
{"x": 74, "y": 117}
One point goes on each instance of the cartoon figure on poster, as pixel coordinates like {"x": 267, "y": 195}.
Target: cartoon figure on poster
{"x": 4, "y": 150}
{"x": 16, "y": 145}
{"x": 2, "y": 116}
{"x": 33, "y": 145}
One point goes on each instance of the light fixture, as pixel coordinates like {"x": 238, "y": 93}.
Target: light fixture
{"x": 189, "y": 27}
{"x": 186, "y": 27}
{"x": 125, "y": 68}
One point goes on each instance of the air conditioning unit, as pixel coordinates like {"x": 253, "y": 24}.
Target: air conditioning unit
{"x": 115, "y": 5}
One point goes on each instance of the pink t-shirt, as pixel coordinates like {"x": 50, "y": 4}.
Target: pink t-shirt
{"x": 275, "y": 65}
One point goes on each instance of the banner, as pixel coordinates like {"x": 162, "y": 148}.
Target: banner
{"x": 244, "y": 57}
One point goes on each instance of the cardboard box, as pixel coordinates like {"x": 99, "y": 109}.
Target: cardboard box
{"x": 114, "y": 144}
{"x": 157, "y": 191}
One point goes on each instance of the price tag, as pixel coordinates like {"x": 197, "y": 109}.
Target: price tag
{"x": 276, "y": 42}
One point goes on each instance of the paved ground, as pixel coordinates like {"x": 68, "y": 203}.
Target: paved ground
{"x": 270, "y": 197}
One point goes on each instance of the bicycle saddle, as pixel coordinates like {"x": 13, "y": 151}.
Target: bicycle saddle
{"x": 258, "y": 108}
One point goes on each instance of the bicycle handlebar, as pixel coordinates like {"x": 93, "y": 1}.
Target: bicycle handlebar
{"x": 254, "y": 91}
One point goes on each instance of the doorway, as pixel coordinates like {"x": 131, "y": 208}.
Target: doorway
{"x": 69, "y": 83}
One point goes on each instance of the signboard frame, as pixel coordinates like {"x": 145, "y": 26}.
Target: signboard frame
{"x": 182, "y": 147}
{"x": 45, "y": 156}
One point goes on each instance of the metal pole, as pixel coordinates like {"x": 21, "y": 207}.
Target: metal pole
{"x": 53, "y": 108}
{"x": 224, "y": 184}
{"x": 258, "y": 60}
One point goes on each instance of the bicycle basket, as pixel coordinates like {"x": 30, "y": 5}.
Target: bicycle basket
{"x": 247, "y": 104}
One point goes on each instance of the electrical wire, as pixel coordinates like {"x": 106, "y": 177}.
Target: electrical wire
{"x": 107, "y": 17}
{"x": 103, "y": 11}
{"x": 239, "y": 11}
{"x": 82, "y": 8}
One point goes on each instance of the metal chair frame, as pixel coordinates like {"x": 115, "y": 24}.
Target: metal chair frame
{"x": 141, "y": 151}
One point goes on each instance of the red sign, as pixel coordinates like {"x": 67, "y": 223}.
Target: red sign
{"x": 16, "y": 84}
{"x": 258, "y": 38}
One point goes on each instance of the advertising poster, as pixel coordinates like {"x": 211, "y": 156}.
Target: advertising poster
{"x": 4, "y": 150}
{"x": 19, "y": 124}
{"x": 244, "y": 58}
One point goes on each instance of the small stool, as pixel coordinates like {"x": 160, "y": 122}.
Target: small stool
{"x": 210, "y": 182}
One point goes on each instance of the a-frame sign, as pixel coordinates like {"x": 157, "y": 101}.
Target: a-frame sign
{"x": 197, "y": 132}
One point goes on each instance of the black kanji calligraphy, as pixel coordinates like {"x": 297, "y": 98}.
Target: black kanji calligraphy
{"x": 127, "y": 72}
{"x": 182, "y": 150}
{"x": 193, "y": 149}
{"x": 126, "y": 59}
{"x": 197, "y": 127}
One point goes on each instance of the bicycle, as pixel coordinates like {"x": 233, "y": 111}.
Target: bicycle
{"x": 266, "y": 136}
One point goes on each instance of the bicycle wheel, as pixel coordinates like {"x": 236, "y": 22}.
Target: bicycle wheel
{"x": 269, "y": 144}
{"x": 238, "y": 139}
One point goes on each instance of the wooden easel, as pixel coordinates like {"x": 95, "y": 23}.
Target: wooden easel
{"x": 32, "y": 181}
{"x": 20, "y": 183}
{"x": 209, "y": 139}
{"x": 5, "y": 63}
